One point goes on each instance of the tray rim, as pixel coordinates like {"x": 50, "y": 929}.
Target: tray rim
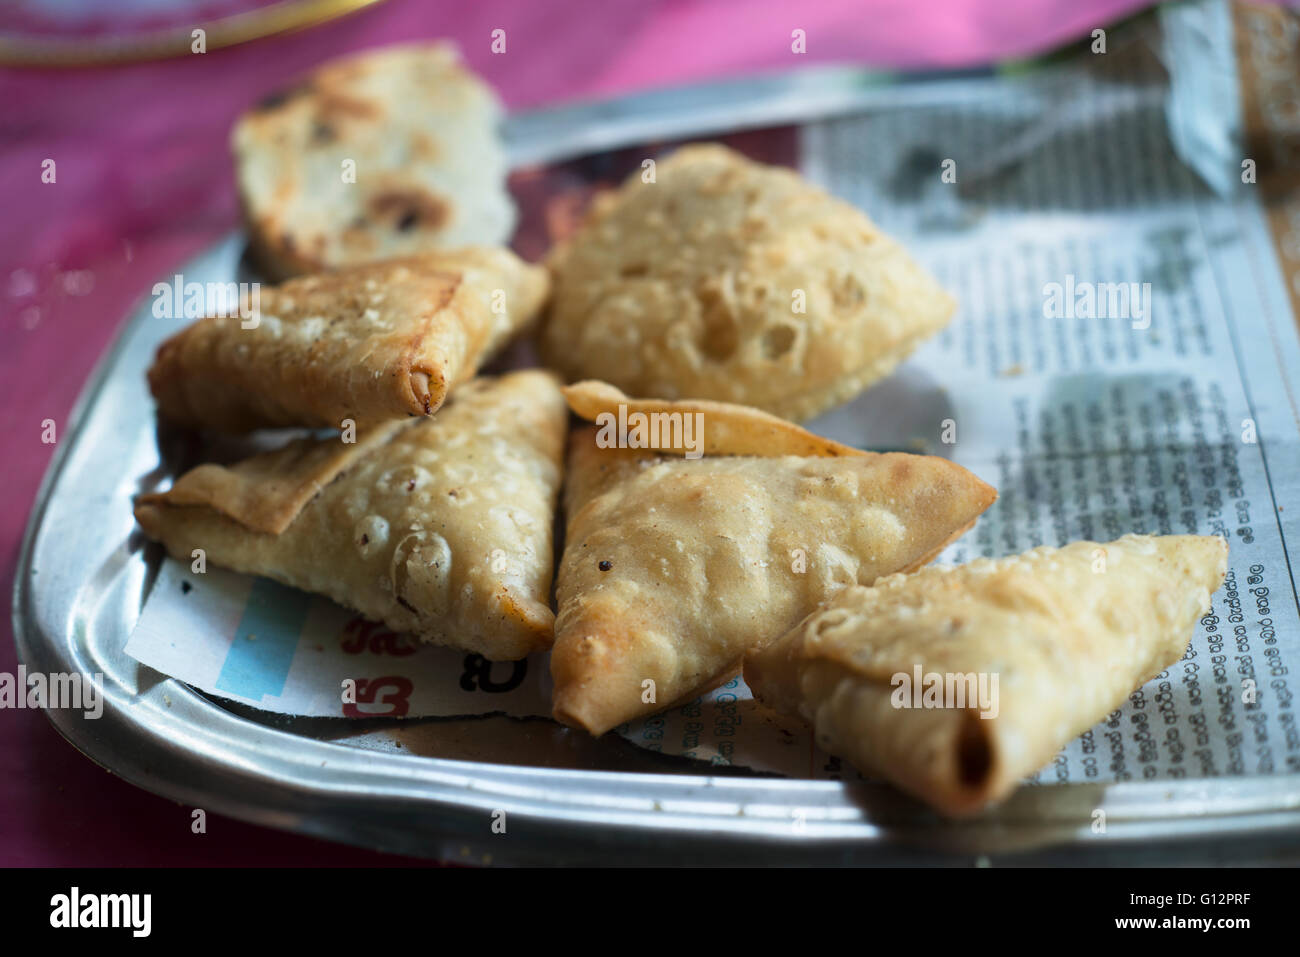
{"x": 575, "y": 816}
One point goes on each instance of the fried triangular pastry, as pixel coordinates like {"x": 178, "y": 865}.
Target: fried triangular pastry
{"x": 370, "y": 343}
{"x": 956, "y": 682}
{"x": 726, "y": 279}
{"x": 444, "y": 531}
{"x": 673, "y": 569}
{"x": 387, "y": 152}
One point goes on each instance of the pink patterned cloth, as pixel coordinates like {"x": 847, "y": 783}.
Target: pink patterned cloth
{"x": 144, "y": 181}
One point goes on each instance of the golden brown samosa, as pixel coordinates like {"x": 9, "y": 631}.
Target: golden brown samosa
{"x": 722, "y": 278}
{"x": 444, "y": 530}
{"x": 370, "y": 343}
{"x": 1067, "y": 633}
{"x": 673, "y": 569}
{"x": 387, "y": 152}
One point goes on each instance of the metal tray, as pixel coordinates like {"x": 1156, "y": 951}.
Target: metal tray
{"x": 433, "y": 787}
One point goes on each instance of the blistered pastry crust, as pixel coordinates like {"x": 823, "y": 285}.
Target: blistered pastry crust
{"x": 729, "y": 280}
{"x": 367, "y": 344}
{"x": 1069, "y": 632}
{"x": 377, "y": 155}
{"x": 674, "y": 569}
{"x": 445, "y": 531}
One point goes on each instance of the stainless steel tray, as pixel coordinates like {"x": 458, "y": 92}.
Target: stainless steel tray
{"x": 432, "y": 787}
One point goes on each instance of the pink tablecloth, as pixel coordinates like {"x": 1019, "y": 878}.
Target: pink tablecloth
{"x": 143, "y": 181}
